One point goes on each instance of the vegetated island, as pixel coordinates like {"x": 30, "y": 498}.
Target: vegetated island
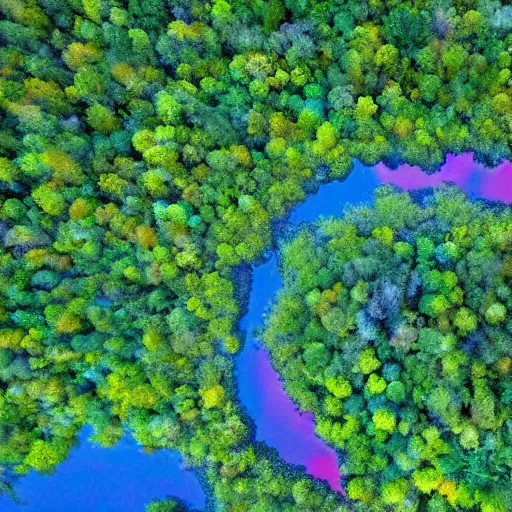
{"x": 394, "y": 328}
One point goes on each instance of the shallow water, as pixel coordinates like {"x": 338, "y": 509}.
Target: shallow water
{"x": 278, "y": 421}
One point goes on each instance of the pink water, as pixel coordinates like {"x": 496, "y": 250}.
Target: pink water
{"x": 292, "y": 432}
{"x": 457, "y": 169}
{"x": 474, "y": 178}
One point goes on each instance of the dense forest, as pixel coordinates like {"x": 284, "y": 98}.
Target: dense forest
{"x": 147, "y": 146}
{"x": 395, "y": 331}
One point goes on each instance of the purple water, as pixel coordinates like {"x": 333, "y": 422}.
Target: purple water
{"x": 461, "y": 170}
{"x": 278, "y": 421}
{"x": 473, "y": 178}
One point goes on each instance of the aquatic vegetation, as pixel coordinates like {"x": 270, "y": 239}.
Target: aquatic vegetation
{"x": 393, "y": 327}
{"x": 146, "y": 147}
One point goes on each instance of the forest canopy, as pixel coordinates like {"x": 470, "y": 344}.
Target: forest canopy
{"x": 146, "y": 148}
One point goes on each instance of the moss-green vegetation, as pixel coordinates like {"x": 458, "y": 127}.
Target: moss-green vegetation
{"x": 167, "y": 505}
{"x": 393, "y": 328}
{"x": 145, "y": 148}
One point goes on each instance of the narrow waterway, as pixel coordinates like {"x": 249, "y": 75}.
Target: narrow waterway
{"x": 278, "y": 422}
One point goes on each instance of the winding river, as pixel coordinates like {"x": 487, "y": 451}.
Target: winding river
{"x": 124, "y": 478}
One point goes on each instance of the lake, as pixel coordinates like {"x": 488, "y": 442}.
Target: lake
{"x": 118, "y": 479}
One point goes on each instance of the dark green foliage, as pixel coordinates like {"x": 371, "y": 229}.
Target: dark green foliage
{"x": 169, "y": 505}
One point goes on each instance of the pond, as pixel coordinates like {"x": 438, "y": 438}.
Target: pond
{"x": 123, "y": 478}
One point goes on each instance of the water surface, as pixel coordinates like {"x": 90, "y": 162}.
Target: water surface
{"x": 96, "y": 479}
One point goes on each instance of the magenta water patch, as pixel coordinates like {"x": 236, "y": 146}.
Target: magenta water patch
{"x": 460, "y": 169}
{"x": 497, "y": 184}
{"x": 493, "y": 184}
{"x": 292, "y": 432}
{"x": 321, "y": 466}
